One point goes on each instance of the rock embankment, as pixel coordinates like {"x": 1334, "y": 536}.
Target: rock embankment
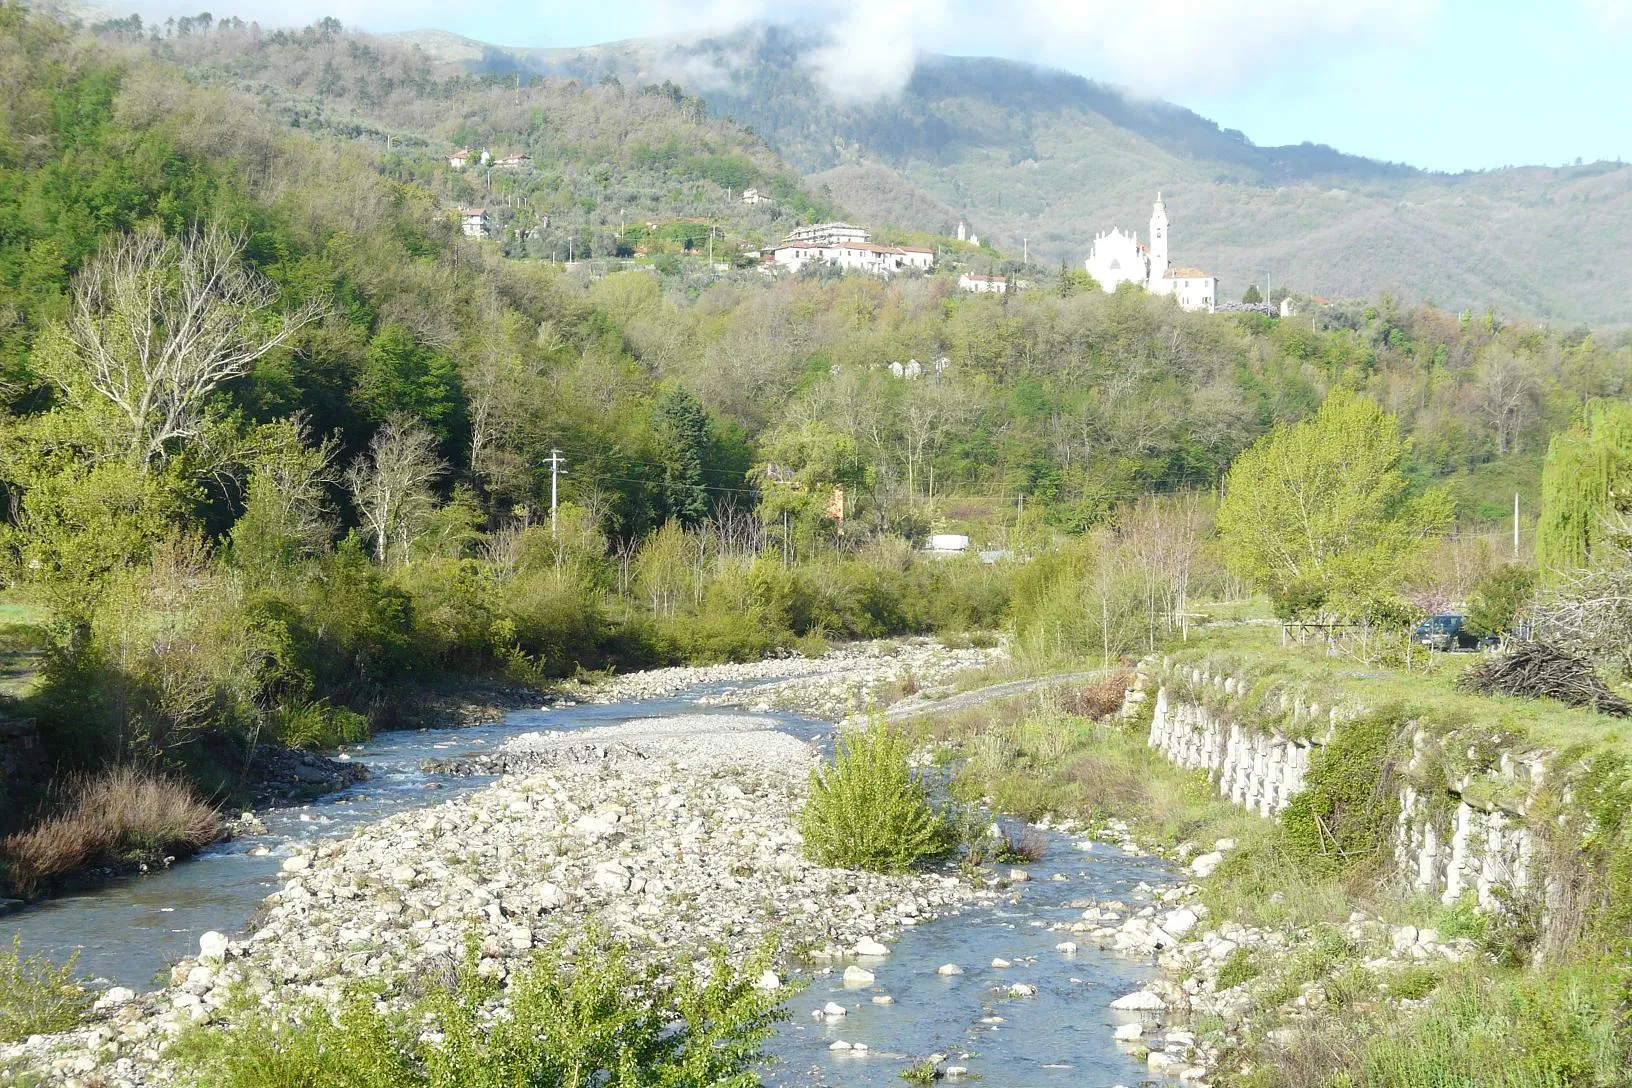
{"x": 1228, "y": 975}
{"x": 685, "y": 836}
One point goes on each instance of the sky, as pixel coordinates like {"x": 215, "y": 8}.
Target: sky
{"x": 1441, "y": 84}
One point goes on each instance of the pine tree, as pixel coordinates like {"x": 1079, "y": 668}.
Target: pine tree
{"x": 1252, "y": 297}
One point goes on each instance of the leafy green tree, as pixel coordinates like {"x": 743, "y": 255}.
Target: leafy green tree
{"x": 1498, "y": 599}
{"x": 286, "y": 512}
{"x": 683, "y": 428}
{"x": 1252, "y": 297}
{"x": 1325, "y": 505}
{"x": 401, "y": 376}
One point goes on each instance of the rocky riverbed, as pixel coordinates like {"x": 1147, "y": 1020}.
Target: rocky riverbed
{"x": 682, "y": 836}
{"x": 1197, "y": 1012}
{"x": 845, "y": 681}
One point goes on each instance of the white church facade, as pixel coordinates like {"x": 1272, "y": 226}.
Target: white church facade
{"x": 1118, "y": 258}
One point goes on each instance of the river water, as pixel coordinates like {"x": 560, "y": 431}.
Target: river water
{"x": 127, "y": 932}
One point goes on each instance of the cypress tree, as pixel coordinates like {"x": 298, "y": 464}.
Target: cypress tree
{"x": 685, "y": 430}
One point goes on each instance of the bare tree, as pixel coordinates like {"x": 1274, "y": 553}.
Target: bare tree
{"x": 391, "y": 486}
{"x": 930, "y": 410}
{"x": 1162, "y": 539}
{"x": 1590, "y": 612}
{"x": 1507, "y": 393}
{"x": 159, "y": 324}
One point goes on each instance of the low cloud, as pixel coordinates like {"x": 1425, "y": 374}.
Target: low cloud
{"x": 1186, "y": 48}
{"x": 1174, "y": 47}
{"x": 875, "y": 48}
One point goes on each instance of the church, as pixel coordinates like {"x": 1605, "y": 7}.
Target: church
{"x": 1119, "y": 258}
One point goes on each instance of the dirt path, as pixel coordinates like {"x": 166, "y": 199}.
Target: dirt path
{"x": 966, "y": 699}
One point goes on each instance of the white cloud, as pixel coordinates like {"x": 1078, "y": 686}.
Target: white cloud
{"x": 1615, "y": 15}
{"x": 875, "y": 47}
{"x": 1156, "y": 47}
{"x": 1161, "y": 48}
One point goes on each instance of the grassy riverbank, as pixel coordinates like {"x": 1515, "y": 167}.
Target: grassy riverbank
{"x": 1339, "y": 1007}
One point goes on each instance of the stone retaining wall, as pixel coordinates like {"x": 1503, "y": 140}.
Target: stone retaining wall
{"x": 1452, "y": 838}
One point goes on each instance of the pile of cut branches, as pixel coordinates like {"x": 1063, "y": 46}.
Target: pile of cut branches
{"x": 1537, "y": 670}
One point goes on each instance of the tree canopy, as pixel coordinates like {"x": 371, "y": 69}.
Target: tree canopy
{"x": 1321, "y": 513}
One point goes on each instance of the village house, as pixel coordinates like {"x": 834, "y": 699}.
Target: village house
{"x": 513, "y": 162}
{"x": 1118, "y": 258}
{"x": 473, "y": 222}
{"x": 847, "y": 247}
{"x": 982, "y": 283}
{"x": 754, "y": 196}
{"x": 463, "y": 157}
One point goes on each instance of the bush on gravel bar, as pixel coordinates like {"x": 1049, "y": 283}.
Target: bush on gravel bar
{"x": 603, "y": 1020}
{"x": 868, "y": 810}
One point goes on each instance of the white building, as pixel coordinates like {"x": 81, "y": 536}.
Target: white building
{"x": 459, "y": 159}
{"x": 513, "y": 162}
{"x": 848, "y": 248}
{"x": 982, "y": 284}
{"x": 473, "y": 221}
{"x": 826, "y": 234}
{"x": 754, "y": 196}
{"x": 1118, "y": 258}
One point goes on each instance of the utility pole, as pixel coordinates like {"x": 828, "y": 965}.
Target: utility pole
{"x": 1515, "y": 525}
{"x": 555, "y": 472}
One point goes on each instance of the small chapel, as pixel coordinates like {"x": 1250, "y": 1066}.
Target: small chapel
{"x": 1119, "y": 257}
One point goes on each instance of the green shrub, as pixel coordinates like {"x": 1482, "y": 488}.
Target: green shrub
{"x": 1238, "y": 967}
{"x": 1498, "y": 598}
{"x": 36, "y": 995}
{"x": 867, "y": 810}
{"x": 1345, "y": 814}
{"x": 318, "y": 725}
{"x": 1413, "y": 982}
{"x": 923, "y": 1072}
{"x": 603, "y": 1021}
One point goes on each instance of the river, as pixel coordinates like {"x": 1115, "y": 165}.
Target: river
{"x": 128, "y": 931}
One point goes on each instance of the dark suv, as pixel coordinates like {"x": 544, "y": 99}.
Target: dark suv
{"x": 1448, "y": 633}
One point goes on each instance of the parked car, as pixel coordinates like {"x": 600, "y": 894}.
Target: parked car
{"x": 1448, "y": 633}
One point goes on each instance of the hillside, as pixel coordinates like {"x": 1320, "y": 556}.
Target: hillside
{"x": 611, "y": 169}
{"x": 1027, "y": 153}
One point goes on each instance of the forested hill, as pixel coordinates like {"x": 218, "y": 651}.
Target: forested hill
{"x": 1027, "y": 153}
{"x": 607, "y": 168}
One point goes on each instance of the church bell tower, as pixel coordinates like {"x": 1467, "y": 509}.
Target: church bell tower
{"x": 1158, "y": 240}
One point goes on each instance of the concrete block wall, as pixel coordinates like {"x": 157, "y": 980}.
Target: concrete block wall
{"x": 1448, "y": 843}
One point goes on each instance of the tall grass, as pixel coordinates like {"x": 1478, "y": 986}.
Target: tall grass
{"x": 36, "y": 995}
{"x": 119, "y": 817}
{"x": 1553, "y": 1029}
{"x": 868, "y": 810}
